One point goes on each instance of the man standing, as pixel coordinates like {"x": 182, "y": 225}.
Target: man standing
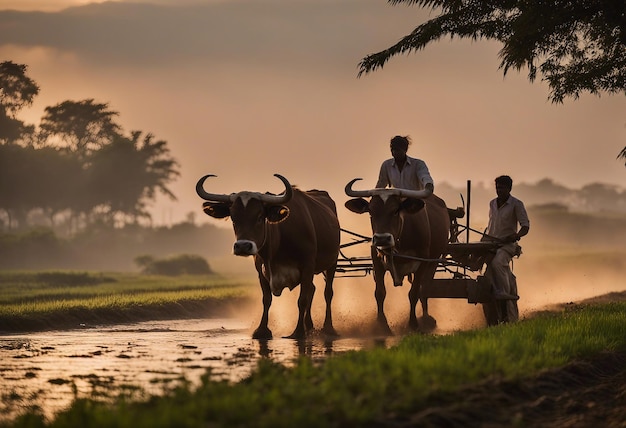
{"x": 505, "y": 213}
{"x": 402, "y": 171}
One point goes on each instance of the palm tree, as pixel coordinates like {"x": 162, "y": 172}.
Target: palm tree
{"x": 83, "y": 126}
{"x": 124, "y": 175}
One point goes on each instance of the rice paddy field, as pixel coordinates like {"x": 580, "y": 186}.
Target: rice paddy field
{"x": 563, "y": 364}
{"x": 43, "y": 300}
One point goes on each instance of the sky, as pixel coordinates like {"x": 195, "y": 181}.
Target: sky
{"x": 244, "y": 89}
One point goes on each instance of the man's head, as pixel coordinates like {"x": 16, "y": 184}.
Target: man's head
{"x": 504, "y": 184}
{"x": 399, "y": 146}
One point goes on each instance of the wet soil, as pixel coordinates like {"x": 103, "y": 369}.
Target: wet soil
{"x": 48, "y": 369}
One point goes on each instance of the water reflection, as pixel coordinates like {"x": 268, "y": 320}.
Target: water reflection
{"x": 318, "y": 348}
{"x": 50, "y": 369}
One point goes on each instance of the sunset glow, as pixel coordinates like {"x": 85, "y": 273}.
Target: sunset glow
{"x": 246, "y": 89}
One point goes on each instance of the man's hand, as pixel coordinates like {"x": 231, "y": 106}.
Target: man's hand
{"x": 514, "y": 237}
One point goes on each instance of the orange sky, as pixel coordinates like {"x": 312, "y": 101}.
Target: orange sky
{"x": 245, "y": 89}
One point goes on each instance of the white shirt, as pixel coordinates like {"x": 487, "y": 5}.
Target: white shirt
{"x": 503, "y": 221}
{"x": 414, "y": 174}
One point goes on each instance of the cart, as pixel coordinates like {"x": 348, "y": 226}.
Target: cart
{"x": 461, "y": 272}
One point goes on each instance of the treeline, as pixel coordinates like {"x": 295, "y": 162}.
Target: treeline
{"x": 76, "y": 167}
{"x": 103, "y": 248}
{"x": 591, "y": 198}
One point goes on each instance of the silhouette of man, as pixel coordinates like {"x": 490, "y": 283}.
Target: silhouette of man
{"x": 402, "y": 171}
{"x": 505, "y": 213}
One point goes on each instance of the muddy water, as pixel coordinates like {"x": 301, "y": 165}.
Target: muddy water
{"x": 50, "y": 369}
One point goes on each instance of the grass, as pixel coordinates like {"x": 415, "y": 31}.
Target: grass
{"x": 39, "y": 300}
{"x": 366, "y": 388}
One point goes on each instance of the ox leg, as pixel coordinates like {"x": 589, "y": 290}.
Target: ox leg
{"x": 426, "y": 270}
{"x": 304, "y": 307}
{"x": 328, "y": 328}
{"x": 262, "y": 331}
{"x": 308, "y": 318}
{"x": 414, "y": 296}
{"x": 380, "y": 293}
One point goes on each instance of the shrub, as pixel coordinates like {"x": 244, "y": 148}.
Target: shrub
{"x": 189, "y": 264}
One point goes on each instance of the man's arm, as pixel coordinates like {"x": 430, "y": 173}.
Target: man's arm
{"x": 522, "y": 219}
{"x": 383, "y": 179}
{"x": 424, "y": 176}
{"x": 522, "y": 232}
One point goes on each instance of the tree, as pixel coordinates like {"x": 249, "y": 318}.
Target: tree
{"x": 17, "y": 91}
{"x": 577, "y": 45}
{"x": 18, "y": 184}
{"x": 129, "y": 171}
{"x": 84, "y": 126}
{"x": 37, "y": 178}
{"x": 14, "y": 130}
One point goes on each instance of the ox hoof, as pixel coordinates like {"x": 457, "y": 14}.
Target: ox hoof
{"x": 330, "y": 331}
{"x": 428, "y": 323}
{"x": 298, "y": 333}
{"x": 295, "y": 336}
{"x": 262, "y": 333}
{"x": 382, "y": 329}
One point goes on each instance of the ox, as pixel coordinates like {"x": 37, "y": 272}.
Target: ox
{"x": 292, "y": 237}
{"x": 410, "y": 231}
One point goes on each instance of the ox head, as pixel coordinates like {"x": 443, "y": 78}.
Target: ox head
{"x": 250, "y": 213}
{"x": 387, "y": 208}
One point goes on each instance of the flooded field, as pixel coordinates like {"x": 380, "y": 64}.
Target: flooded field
{"x": 49, "y": 369}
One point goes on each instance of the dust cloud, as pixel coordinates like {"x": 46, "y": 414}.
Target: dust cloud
{"x": 544, "y": 280}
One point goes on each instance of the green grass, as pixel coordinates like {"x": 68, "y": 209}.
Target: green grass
{"x": 361, "y": 388}
{"x": 36, "y": 299}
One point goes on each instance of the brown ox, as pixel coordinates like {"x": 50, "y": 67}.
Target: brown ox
{"x": 292, "y": 237}
{"x": 410, "y": 231}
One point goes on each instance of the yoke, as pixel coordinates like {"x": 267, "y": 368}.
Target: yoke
{"x": 459, "y": 270}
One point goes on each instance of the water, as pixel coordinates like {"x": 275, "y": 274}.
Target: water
{"x": 50, "y": 369}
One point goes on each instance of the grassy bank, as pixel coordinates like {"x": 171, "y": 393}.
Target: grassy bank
{"x": 31, "y": 301}
{"x": 394, "y": 387}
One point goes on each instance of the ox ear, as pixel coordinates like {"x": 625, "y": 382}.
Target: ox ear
{"x": 216, "y": 209}
{"x": 357, "y": 205}
{"x": 276, "y": 213}
{"x": 412, "y": 205}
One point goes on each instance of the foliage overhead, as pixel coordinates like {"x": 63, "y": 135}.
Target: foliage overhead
{"x": 576, "y": 45}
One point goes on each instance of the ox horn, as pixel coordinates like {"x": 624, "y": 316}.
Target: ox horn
{"x": 357, "y": 193}
{"x": 405, "y": 193}
{"x": 417, "y": 194}
{"x": 210, "y": 196}
{"x": 278, "y": 199}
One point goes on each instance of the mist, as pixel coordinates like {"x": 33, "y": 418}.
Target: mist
{"x": 246, "y": 89}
